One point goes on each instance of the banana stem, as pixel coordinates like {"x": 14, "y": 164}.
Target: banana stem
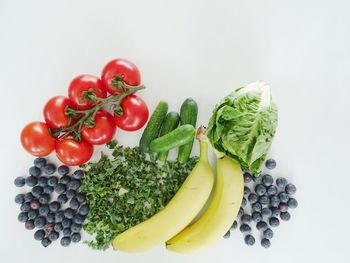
{"x": 202, "y": 137}
{"x": 203, "y": 151}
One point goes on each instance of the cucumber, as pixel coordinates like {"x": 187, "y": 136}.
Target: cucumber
{"x": 188, "y": 115}
{"x": 180, "y": 136}
{"x": 153, "y": 126}
{"x": 170, "y": 123}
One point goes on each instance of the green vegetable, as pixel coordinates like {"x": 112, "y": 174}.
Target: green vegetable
{"x": 179, "y": 136}
{"x": 127, "y": 188}
{"x": 243, "y": 125}
{"x": 153, "y": 126}
{"x": 188, "y": 115}
{"x": 170, "y": 123}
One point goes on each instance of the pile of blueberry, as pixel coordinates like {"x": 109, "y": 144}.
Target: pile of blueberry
{"x": 43, "y": 206}
{"x": 267, "y": 202}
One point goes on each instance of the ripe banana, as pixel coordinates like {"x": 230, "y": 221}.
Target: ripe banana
{"x": 176, "y": 215}
{"x": 220, "y": 214}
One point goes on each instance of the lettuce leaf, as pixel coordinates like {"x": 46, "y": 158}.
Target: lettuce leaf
{"x": 243, "y": 125}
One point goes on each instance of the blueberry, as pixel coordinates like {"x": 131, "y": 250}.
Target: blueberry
{"x": 260, "y": 189}
{"x": 69, "y": 213}
{"x": 240, "y": 211}
{"x": 33, "y": 214}
{"x": 54, "y": 235}
{"x": 46, "y": 242}
{"x": 283, "y": 207}
{"x": 84, "y": 210}
{"x": 48, "y": 228}
{"x": 62, "y": 198}
{"x": 247, "y": 191}
{"x": 247, "y": 177}
{"x": 244, "y": 202}
{"x": 74, "y": 203}
{"x": 20, "y": 181}
{"x": 52, "y": 181}
{"x": 261, "y": 225}
{"x": 44, "y": 199}
{"x": 34, "y": 171}
{"x": 22, "y": 217}
{"x": 65, "y": 241}
{"x": 65, "y": 179}
{"x": 285, "y": 216}
{"x": 39, "y": 234}
{"x": 256, "y": 207}
{"x": 264, "y": 200}
{"x": 70, "y": 193}
{"x": 270, "y": 164}
{"x": 257, "y": 217}
{"x": 74, "y": 184}
{"x": 28, "y": 197}
{"x": 265, "y": 243}
{"x": 257, "y": 179}
{"x": 48, "y": 189}
{"x": 227, "y": 235}
{"x": 34, "y": 204}
{"x": 66, "y": 223}
{"x": 63, "y": 170}
{"x": 78, "y": 174}
{"x": 245, "y": 229}
{"x": 59, "y": 216}
{"x": 266, "y": 212}
{"x": 76, "y": 237}
{"x": 290, "y": 189}
{"x": 233, "y": 227}
{"x": 44, "y": 210}
{"x": 249, "y": 240}
{"x": 274, "y": 201}
{"x": 81, "y": 198}
{"x": 281, "y": 182}
{"x": 274, "y": 222}
{"x": 19, "y": 199}
{"x": 50, "y": 218}
{"x": 37, "y": 191}
{"x": 25, "y": 207}
{"x": 292, "y": 203}
{"x": 49, "y": 169}
{"x": 42, "y": 181}
{"x": 60, "y": 188}
{"x": 58, "y": 227}
{"x": 54, "y": 206}
{"x": 253, "y": 198}
{"x": 272, "y": 190}
{"x": 275, "y": 212}
{"x": 283, "y": 197}
{"x": 31, "y": 181}
{"x": 67, "y": 232}
{"x": 40, "y": 162}
{"x": 267, "y": 180}
{"x": 246, "y": 219}
{"x": 39, "y": 222}
{"x": 268, "y": 233}
{"x": 29, "y": 225}
{"x": 76, "y": 227}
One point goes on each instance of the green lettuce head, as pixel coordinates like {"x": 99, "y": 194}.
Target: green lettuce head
{"x": 243, "y": 125}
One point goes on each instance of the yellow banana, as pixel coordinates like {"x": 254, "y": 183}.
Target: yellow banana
{"x": 220, "y": 214}
{"x": 176, "y": 215}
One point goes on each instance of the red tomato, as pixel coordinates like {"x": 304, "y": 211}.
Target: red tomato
{"x": 129, "y": 72}
{"x": 102, "y": 132}
{"x": 54, "y": 112}
{"x": 71, "y": 152}
{"x": 37, "y": 140}
{"x": 84, "y": 83}
{"x": 135, "y": 113}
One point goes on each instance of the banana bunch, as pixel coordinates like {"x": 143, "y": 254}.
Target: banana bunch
{"x": 174, "y": 225}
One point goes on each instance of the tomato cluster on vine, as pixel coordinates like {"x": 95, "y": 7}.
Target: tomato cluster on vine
{"x": 74, "y": 124}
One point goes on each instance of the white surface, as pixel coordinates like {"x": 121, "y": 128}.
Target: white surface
{"x": 199, "y": 49}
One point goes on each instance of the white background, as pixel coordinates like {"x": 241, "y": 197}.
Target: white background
{"x": 199, "y": 49}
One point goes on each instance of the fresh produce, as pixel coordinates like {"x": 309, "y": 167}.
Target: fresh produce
{"x": 133, "y": 114}
{"x": 180, "y": 136}
{"x": 127, "y": 189}
{"x": 188, "y": 115}
{"x": 153, "y": 126}
{"x": 36, "y": 139}
{"x": 243, "y": 125}
{"x": 179, "y": 212}
{"x": 72, "y": 152}
{"x": 170, "y": 123}
{"x": 55, "y": 112}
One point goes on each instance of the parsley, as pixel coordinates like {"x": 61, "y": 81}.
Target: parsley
{"x": 126, "y": 189}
